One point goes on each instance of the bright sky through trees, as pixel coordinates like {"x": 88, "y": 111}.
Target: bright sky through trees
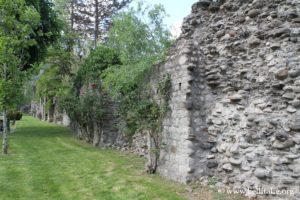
{"x": 177, "y": 9}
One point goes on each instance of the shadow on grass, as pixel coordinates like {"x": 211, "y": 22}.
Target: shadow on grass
{"x": 43, "y": 132}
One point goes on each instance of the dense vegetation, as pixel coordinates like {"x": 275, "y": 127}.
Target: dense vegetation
{"x": 85, "y": 86}
{"x": 84, "y": 75}
{"x": 27, "y": 28}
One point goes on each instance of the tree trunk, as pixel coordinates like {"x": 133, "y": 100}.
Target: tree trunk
{"x": 8, "y": 125}
{"x": 153, "y": 152}
{"x": 51, "y": 113}
{"x": 40, "y": 110}
{"x": 72, "y": 15}
{"x": 44, "y": 118}
{"x": 79, "y": 131}
{"x": 98, "y": 131}
{"x": 56, "y": 116}
{"x": 96, "y": 22}
{"x": 85, "y": 133}
{"x": 70, "y": 42}
{"x": 5, "y": 133}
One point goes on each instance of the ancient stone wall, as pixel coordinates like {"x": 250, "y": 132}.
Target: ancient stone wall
{"x": 235, "y": 106}
{"x": 175, "y": 146}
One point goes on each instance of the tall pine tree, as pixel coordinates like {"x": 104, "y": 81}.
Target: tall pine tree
{"x": 91, "y": 19}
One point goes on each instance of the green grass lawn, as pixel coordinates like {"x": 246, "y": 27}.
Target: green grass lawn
{"x": 46, "y": 162}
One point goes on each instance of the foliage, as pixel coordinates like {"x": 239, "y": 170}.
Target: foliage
{"x": 141, "y": 39}
{"x": 141, "y": 43}
{"x": 10, "y": 93}
{"x": 90, "y": 19}
{"x": 85, "y": 102}
{"x": 98, "y": 60}
{"x": 137, "y": 40}
{"x": 55, "y": 71}
{"x": 213, "y": 181}
{"x": 122, "y": 80}
{"x": 116, "y": 70}
{"x": 45, "y": 33}
{"x": 137, "y": 37}
{"x": 164, "y": 91}
{"x": 83, "y": 109}
{"x": 26, "y": 28}
{"x": 18, "y": 22}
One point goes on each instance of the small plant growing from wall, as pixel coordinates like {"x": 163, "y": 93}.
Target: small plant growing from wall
{"x": 164, "y": 92}
{"x": 154, "y": 145}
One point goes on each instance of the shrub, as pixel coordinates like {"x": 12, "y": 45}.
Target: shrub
{"x": 18, "y": 115}
{"x": 15, "y": 115}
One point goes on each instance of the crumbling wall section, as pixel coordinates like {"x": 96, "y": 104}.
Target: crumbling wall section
{"x": 236, "y": 117}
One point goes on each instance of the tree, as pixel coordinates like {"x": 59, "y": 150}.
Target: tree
{"x": 56, "y": 71}
{"x": 17, "y": 23}
{"x": 24, "y": 33}
{"x": 116, "y": 70}
{"x": 141, "y": 39}
{"x": 138, "y": 35}
{"x": 103, "y": 10}
{"x": 91, "y": 19}
{"x": 86, "y": 102}
{"x": 45, "y": 33}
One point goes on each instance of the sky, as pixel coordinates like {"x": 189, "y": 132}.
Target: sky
{"x": 177, "y": 10}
